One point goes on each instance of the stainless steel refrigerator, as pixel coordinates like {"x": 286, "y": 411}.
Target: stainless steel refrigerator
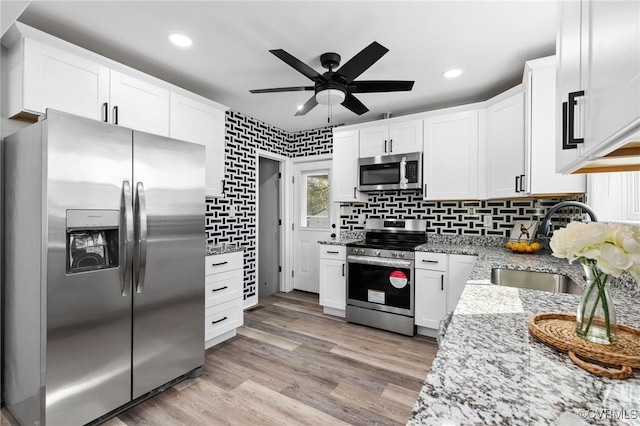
{"x": 104, "y": 267}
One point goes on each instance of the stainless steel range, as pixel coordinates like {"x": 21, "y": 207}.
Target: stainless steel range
{"x": 380, "y": 275}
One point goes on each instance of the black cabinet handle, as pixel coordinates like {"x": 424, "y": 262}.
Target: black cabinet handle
{"x": 571, "y": 139}
{"x": 517, "y": 183}
{"x": 115, "y": 114}
{"x": 521, "y": 183}
{"x": 105, "y": 112}
{"x": 442, "y": 282}
{"x": 385, "y": 146}
{"x": 565, "y": 141}
{"x": 218, "y": 289}
{"x": 333, "y": 252}
{"x": 219, "y": 264}
{"x": 220, "y": 320}
{"x": 430, "y": 261}
{"x": 390, "y": 145}
{"x": 343, "y": 269}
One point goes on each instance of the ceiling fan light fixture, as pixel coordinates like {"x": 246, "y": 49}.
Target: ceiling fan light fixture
{"x": 330, "y": 97}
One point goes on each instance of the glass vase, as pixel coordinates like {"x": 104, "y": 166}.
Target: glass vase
{"x": 596, "y": 318}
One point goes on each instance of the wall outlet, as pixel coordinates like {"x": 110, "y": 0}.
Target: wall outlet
{"x": 487, "y": 221}
{"x": 232, "y": 211}
{"x": 361, "y": 218}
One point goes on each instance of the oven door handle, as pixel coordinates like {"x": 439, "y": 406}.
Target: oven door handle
{"x": 367, "y": 260}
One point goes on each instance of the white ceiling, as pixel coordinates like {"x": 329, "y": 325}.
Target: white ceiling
{"x": 488, "y": 40}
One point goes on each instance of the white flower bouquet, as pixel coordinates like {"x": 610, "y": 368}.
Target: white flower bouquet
{"x": 605, "y": 250}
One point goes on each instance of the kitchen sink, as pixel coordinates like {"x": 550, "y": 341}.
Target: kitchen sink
{"x": 545, "y": 281}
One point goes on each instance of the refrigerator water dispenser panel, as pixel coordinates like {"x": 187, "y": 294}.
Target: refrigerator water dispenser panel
{"x": 93, "y": 238}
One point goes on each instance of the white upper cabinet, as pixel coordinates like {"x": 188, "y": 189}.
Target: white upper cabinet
{"x": 44, "y": 77}
{"x": 199, "y": 121}
{"x": 505, "y": 147}
{"x": 344, "y": 184}
{"x": 388, "y": 139}
{"x": 138, "y": 104}
{"x": 451, "y": 156}
{"x": 599, "y": 84}
{"x": 540, "y": 135}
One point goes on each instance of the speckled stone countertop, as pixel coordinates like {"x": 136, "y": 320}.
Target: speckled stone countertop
{"x": 211, "y": 250}
{"x": 490, "y": 370}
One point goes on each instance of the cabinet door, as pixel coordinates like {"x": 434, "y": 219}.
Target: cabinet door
{"x": 374, "y": 141}
{"x": 430, "y": 297}
{"x": 333, "y": 284}
{"x": 138, "y": 104}
{"x": 53, "y": 78}
{"x": 612, "y": 91}
{"x": 197, "y": 122}
{"x": 405, "y": 137}
{"x": 505, "y": 144}
{"x": 344, "y": 185}
{"x": 451, "y": 157}
{"x": 460, "y": 267}
{"x": 569, "y": 56}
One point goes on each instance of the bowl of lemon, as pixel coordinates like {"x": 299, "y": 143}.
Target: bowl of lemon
{"x": 523, "y": 247}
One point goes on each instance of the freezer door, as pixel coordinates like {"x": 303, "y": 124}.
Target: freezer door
{"x": 168, "y": 295}
{"x": 88, "y": 337}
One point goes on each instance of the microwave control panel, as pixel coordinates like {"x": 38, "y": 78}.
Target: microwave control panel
{"x": 411, "y": 173}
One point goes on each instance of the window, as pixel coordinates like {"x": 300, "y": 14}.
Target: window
{"x": 615, "y": 197}
{"x": 315, "y": 206}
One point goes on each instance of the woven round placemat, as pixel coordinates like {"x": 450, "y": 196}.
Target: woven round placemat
{"x": 558, "y": 330}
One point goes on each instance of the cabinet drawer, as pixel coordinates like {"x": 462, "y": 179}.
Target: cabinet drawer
{"x": 333, "y": 252}
{"x": 431, "y": 261}
{"x": 223, "y": 287}
{"x": 222, "y": 318}
{"x": 223, "y": 262}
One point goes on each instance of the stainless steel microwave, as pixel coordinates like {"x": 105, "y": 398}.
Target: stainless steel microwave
{"x": 386, "y": 172}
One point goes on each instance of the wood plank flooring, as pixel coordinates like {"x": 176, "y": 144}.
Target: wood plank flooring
{"x": 291, "y": 364}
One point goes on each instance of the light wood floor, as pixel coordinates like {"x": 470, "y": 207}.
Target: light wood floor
{"x": 291, "y": 364}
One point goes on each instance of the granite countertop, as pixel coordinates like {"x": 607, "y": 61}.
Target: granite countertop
{"x": 340, "y": 241}
{"x": 490, "y": 370}
{"x": 211, "y": 250}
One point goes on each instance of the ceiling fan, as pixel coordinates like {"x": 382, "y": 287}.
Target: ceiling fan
{"x": 335, "y": 87}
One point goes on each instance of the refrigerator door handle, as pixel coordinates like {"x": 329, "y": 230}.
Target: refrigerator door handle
{"x": 126, "y": 238}
{"x": 141, "y": 236}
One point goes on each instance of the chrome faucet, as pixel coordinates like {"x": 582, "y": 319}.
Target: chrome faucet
{"x": 545, "y": 225}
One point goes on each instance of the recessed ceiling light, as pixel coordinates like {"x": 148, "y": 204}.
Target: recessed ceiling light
{"x": 300, "y": 107}
{"x": 452, "y": 73}
{"x": 180, "y": 40}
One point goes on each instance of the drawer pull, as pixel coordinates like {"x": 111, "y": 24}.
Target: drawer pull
{"x": 333, "y": 252}
{"x": 430, "y": 261}
{"x": 218, "y": 289}
{"x": 219, "y": 264}
{"x": 220, "y": 320}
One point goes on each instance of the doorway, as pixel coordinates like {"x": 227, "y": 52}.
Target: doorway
{"x": 269, "y": 220}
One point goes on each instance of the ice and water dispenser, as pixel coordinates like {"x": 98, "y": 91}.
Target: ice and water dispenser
{"x": 92, "y": 240}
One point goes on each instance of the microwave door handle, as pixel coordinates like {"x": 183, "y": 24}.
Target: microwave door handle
{"x": 141, "y": 236}
{"x": 126, "y": 238}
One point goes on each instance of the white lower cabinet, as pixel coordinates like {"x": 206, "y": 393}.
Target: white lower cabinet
{"x": 223, "y": 313}
{"x": 333, "y": 279}
{"x": 439, "y": 281}
{"x": 430, "y": 289}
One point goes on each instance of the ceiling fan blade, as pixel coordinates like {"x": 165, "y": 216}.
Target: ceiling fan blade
{"x": 298, "y": 65}
{"x": 308, "y": 106}
{"x": 283, "y": 89}
{"x": 352, "y": 103}
{"x": 362, "y": 61}
{"x": 370, "y": 86}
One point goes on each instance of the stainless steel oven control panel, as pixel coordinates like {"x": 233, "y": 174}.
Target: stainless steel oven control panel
{"x": 395, "y": 254}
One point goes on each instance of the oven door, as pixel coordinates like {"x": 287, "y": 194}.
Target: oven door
{"x": 380, "y": 283}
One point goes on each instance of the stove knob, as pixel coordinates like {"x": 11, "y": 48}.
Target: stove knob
{"x": 377, "y": 252}
{"x": 401, "y": 254}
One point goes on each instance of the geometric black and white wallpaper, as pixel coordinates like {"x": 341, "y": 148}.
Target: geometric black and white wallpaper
{"x": 244, "y": 135}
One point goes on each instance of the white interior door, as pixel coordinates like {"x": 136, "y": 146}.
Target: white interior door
{"x": 313, "y": 218}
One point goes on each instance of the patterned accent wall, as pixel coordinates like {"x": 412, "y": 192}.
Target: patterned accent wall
{"x": 244, "y": 135}
{"x": 453, "y": 217}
